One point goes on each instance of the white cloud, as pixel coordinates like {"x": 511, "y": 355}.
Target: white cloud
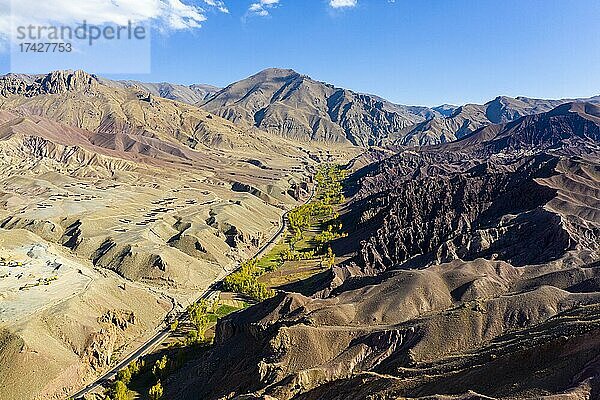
{"x": 163, "y": 14}
{"x": 219, "y": 5}
{"x": 261, "y": 7}
{"x": 343, "y": 3}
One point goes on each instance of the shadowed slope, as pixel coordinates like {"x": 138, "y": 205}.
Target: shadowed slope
{"x": 471, "y": 270}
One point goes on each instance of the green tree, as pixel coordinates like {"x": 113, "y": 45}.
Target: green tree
{"x": 174, "y": 325}
{"x": 245, "y": 281}
{"x": 156, "y": 391}
{"x": 136, "y": 366}
{"x": 118, "y": 391}
{"x": 329, "y": 259}
{"x": 199, "y": 317}
{"x": 191, "y": 337}
{"x": 124, "y": 375}
{"x": 160, "y": 367}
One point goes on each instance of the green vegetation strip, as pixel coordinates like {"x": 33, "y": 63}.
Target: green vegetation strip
{"x": 311, "y": 229}
{"x": 319, "y": 214}
{"x": 202, "y": 315}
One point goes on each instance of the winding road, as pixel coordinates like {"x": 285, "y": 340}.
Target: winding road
{"x": 165, "y": 332}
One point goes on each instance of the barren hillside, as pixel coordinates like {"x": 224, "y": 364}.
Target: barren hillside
{"x": 473, "y": 272}
{"x": 294, "y": 105}
{"x": 133, "y": 200}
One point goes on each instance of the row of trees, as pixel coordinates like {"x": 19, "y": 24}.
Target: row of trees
{"x": 330, "y": 179}
{"x": 302, "y": 218}
{"x": 329, "y": 191}
{"x": 290, "y": 255}
{"x": 333, "y": 232}
{"x": 245, "y": 281}
{"x": 119, "y": 390}
{"x": 198, "y": 313}
{"x": 160, "y": 370}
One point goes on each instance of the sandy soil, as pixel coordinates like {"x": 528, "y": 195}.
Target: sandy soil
{"x": 42, "y": 277}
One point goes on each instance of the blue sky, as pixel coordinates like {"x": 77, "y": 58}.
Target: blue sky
{"x": 411, "y": 52}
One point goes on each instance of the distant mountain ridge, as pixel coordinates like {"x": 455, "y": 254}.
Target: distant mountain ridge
{"x": 85, "y": 101}
{"x": 295, "y": 105}
{"x": 52, "y": 83}
{"x": 60, "y": 81}
{"x": 190, "y": 94}
{"x": 292, "y": 105}
{"x": 466, "y": 119}
{"x": 575, "y": 123}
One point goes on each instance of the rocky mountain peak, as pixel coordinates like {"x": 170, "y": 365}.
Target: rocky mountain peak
{"x": 293, "y": 105}
{"x": 270, "y": 73}
{"x": 445, "y": 110}
{"x": 67, "y": 80}
{"x": 52, "y": 83}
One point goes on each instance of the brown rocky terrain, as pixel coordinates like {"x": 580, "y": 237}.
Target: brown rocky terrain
{"x": 472, "y": 273}
{"x": 190, "y": 94}
{"x": 470, "y": 268}
{"x": 289, "y": 104}
{"x": 462, "y": 121}
{"x": 121, "y": 207}
{"x": 293, "y": 105}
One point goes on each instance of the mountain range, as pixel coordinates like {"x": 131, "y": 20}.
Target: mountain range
{"x": 292, "y": 105}
{"x": 467, "y": 269}
{"x": 470, "y": 272}
{"x": 118, "y": 198}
